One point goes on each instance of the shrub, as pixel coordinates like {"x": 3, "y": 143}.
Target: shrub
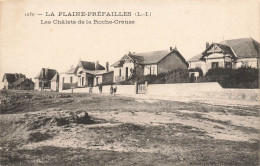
{"x": 38, "y": 137}
{"x": 197, "y": 69}
{"x": 244, "y": 77}
{"x": 178, "y": 75}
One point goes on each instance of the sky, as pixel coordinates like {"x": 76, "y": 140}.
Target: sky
{"x": 26, "y": 45}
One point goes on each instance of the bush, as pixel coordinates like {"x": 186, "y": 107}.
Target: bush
{"x": 175, "y": 76}
{"x": 38, "y": 137}
{"x": 197, "y": 69}
{"x": 244, "y": 77}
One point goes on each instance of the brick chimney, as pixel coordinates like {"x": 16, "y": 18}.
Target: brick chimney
{"x": 96, "y": 65}
{"x": 107, "y": 66}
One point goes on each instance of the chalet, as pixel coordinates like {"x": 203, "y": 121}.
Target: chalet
{"x": 10, "y": 78}
{"x": 227, "y": 54}
{"x": 86, "y": 74}
{"x": 44, "y": 80}
{"x": 148, "y": 63}
{"x": 23, "y": 84}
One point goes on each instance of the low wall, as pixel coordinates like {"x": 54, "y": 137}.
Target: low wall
{"x": 68, "y": 85}
{"x": 121, "y": 89}
{"x": 182, "y": 88}
{"x": 205, "y": 90}
{"x": 242, "y": 94}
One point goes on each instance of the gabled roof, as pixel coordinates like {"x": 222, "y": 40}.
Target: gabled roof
{"x": 117, "y": 64}
{"x": 196, "y": 58}
{"x": 152, "y": 57}
{"x": 149, "y": 57}
{"x": 46, "y": 73}
{"x": 55, "y": 78}
{"x": 137, "y": 58}
{"x": 240, "y": 48}
{"x": 244, "y": 48}
{"x": 90, "y": 65}
{"x": 10, "y": 77}
{"x": 71, "y": 71}
{"x": 19, "y": 81}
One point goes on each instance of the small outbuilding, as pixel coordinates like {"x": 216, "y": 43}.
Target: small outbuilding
{"x": 23, "y": 84}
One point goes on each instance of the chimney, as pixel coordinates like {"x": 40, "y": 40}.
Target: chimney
{"x": 107, "y": 66}
{"x": 96, "y": 65}
{"x": 207, "y": 45}
{"x": 46, "y": 72}
{"x": 170, "y": 48}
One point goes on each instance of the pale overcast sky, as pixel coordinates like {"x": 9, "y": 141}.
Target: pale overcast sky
{"x": 26, "y": 45}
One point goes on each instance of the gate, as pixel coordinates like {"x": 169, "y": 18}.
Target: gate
{"x": 141, "y": 88}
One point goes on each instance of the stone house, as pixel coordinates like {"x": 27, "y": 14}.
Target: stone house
{"x": 43, "y": 81}
{"x": 10, "y": 78}
{"x": 86, "y": 74}
{"x": 227, "y": 54}
{"x": 148, "y": 63}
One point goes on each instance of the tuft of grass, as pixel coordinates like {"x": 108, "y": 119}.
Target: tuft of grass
{"x": 38, "y": 137}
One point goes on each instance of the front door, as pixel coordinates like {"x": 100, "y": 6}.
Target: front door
{"x": 82, "y": 81}
{"x": 192, "y": 77}
{"x": 97, "y": 81}
{"x": 90, "y": 81}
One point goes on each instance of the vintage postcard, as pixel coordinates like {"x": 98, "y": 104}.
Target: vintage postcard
{"x": 140, "y": 82}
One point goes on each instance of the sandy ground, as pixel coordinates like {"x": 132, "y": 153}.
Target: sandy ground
{"x": 183, "y": 132}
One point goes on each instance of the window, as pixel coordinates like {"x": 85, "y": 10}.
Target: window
{"x": 119, "y": 72}
{"x": 126, "y": 72}
{"x": 245, "y": 64}
{"x": 71, "y": 79}
{"x": 150, "y": 70}
{"x": 63, "y": 78}
{"x": 214, "y": 65}
{"x": 153, "y": 70}
{"x": 228, "y": 65}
